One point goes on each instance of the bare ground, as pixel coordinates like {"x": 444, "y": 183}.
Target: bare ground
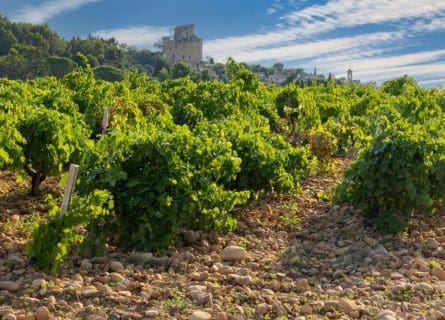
{"x": 302, "y": 259}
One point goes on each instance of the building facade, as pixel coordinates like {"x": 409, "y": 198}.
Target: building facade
{"x": 185, "y": 46}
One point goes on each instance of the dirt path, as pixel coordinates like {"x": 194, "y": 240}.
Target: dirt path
{"x": 292, "y": 257}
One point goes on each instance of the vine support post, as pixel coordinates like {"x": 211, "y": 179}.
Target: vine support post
{"x": 69, "y": 189}
{"x": 105, "y": 120}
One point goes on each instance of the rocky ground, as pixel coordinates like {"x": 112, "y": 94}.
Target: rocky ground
{"x": 292, "y": 257}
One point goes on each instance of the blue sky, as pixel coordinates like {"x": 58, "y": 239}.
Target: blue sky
{"x": 378, "y": 39}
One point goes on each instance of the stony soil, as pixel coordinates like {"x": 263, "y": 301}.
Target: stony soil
{"x": 292, "y": 257}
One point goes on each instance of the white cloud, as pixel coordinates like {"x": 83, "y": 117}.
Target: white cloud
{"x": 370, "y": 55}
{"x": 425, "y": 65}
{"x": 435, "y": 24}
{"x": 370, "y": 66}
{"x": 139, "y": 36}
{"x": 317, "y": 19}
{"x": 439, "y": 81}
{"x": 305, "y": 50}
{"x": 428, "y": 71}
{"x": 348, "y": 13}
{"x": 253, "y": 40}
{"x": 48, "y": 9}
{"x": 275, "y": 7}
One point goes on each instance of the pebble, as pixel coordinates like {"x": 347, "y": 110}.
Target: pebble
{"x": 347, "y": 306}
{"x": 39, "y": 283}
{"x": 89, "y": 292}
{"x": 225, "y": 270}
{"x": 233, "y": 253}
{"x": 10, "y": 286}
{"x": 293, "y": 300}
{"x": 330, "y": 306}
{"x": 386, "y": 315}
{"x": 51, "y": 300}
{"x": 86, "y": 265}
{"x": 439, "y": 273}
{"x": 306, "y": 309}
{"x": 42, "y": 313}
{"x": 9, "y": 316}
{"x": 262, "y": 309}
{"x": 116, "y": 266}
{"x": 244, "y": 280}
{"x": 199, "y": 276}
{"x": 116, "y": 277}
{"x": 371, "y": 241}
{"x": 151, "y": 313}
{"x": 432, "y": 244}
{"x": 77, "y": 305}
{"x": 396, "y": 276}
{"x": 301, "y": 284}
{"x": 267, "y": 292}
{"x": 200, "y": 315}
{"x": 424, "y": 287}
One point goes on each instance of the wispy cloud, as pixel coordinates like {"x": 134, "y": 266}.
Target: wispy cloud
{"x": 319, "y": 19}
{"x": 433, "y": 81}
{"x": 340, "y": 63}
{"x": 429, "y": 70}
{"x": 276, "y": 6}
{"x": 305, "y": 50}
{"x": 48, "y": 9}
{"x": 348, "y": 13}
{"x": 426, "y": 64}
{"x": 139, "y": 36}
{"x": 309, "y": 36}
{"x": 435, "y": 24}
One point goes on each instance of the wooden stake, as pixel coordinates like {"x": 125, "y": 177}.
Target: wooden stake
{"x": 105, "y": 120}
{"x": 69, "y": 189}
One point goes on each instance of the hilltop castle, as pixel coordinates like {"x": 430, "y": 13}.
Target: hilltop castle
{"x": 185, "y": 46}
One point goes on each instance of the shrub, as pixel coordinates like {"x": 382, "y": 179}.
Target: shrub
{"x": 323, "y": 144}
{"x": 400, "y": 172}
{"x": 51, "y": 241}
{"x": 163, "y": 181}
{"x": 53, "y": 141}
{"x": 11, "y": 152}
{"x": 108, "y": 73}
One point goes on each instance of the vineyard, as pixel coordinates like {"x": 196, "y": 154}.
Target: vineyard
{"x": 182, "y": 162}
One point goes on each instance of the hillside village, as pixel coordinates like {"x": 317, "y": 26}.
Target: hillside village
{"x": 187, "y": 47}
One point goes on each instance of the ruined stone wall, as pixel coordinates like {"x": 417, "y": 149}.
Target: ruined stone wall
{"x": 185, "y": 46}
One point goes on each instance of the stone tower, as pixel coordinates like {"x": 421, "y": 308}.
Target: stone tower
{"x": 185, "y": 46}
{"x": 349, "y": 75}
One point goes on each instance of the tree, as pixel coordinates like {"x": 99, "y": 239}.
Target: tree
{"x": 60, "y": 66}
{"x": 159, "y": 45}
{"x": 108, "y": 73}
{"x": 206, "y": 75}
{"x": 278, "y": 67}
{"x": 163, "y": 74}
{"x": 7, "y": 41}
{"x": 220, "y": 70}
{"x": 14, "y": 65}
{"x": 236, "y": 71}
{"x": 181, "y": 70}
